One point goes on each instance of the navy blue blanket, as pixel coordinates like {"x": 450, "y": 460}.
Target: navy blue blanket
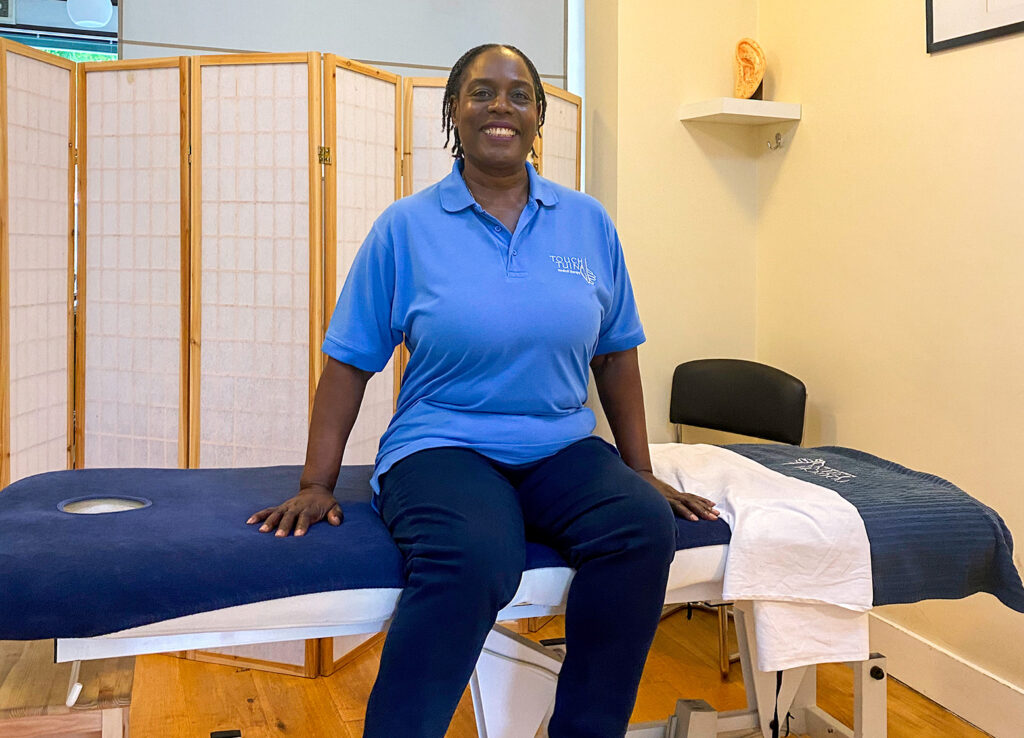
{"x": 929, "y": 539}
{"x": 64, "y": 575}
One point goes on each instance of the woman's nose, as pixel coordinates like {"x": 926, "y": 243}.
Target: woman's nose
{"x": 500, "y": 102}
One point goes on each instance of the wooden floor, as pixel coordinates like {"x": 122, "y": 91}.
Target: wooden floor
{"x": 174, "y": 698}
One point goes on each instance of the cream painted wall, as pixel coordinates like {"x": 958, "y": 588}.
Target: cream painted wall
{"x": 890, "y": 258}
{"x": 684, "y": 198}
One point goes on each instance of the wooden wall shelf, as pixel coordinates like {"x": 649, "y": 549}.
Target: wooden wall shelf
{"x": 737, "y": 111}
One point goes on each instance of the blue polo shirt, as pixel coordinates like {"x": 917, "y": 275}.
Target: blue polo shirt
{"x": 500, "y": 326}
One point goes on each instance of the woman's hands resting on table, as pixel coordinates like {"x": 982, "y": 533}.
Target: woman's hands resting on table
{"x": 685, "y": 505}
{"x": 338, "y": 396}
{"x": 312, "y": 505}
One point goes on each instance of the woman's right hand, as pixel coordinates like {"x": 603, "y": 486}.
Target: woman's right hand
{"x": 311, "y": 505}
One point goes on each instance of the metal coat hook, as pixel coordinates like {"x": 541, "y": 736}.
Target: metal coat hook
{"x": 777, "y": 144}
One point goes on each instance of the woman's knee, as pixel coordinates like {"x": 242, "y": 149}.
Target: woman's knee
{"x": 652, "y": 522}
{"x": 469, "y": 567}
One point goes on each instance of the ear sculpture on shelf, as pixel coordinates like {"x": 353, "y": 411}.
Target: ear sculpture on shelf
{"x": 750, "y": 66}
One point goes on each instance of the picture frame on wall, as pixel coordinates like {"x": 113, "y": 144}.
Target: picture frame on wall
{"x": 7, "y": 11}
{"x": 952, "y": 23}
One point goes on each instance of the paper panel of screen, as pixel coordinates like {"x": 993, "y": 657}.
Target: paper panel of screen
{"x": 132, "y": 268}
{"x": 365, "y": 147}
{"x": 560, "y": 134}
{"x": 431, "y": 161}
{"x": 38, "y": 127}
{"x": 254, "y": 384}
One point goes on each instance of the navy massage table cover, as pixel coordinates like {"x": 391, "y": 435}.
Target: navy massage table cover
{"x": 66, "y": 575}
{"x": 929, "y": 539}
{"x": 73, "y": 576}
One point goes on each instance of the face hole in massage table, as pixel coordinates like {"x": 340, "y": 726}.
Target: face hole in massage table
{"x": 100, "y": 505}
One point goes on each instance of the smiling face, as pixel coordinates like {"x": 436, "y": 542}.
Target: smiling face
{"x": 496, "y": 111}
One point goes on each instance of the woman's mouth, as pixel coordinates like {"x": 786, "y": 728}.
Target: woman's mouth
{"x": 501, "y": 132}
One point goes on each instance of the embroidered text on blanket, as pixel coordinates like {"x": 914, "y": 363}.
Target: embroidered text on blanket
{"x": 818, "y": 468}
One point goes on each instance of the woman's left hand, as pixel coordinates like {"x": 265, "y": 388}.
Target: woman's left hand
{"x": 685, "y": 505}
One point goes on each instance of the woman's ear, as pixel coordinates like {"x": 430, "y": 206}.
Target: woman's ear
{"x": 454, "y": 108}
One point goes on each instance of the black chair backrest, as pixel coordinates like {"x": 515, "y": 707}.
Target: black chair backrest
{"x": 739, "y": 396}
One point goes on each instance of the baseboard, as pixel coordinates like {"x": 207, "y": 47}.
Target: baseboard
{"x": 963, "y": 688}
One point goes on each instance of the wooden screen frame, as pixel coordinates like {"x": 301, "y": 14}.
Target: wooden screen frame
{"x": 311, "y": 666}
{"x": 312, "y": 60}
{"x": 578, "y": 102}
{"x": 182, "y": 63}
{"x": 333, "y": 62}
{"x": 5, "y": 317}
{"x": 5, "y": 334}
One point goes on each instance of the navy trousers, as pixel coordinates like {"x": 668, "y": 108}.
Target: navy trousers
{"x": 461, "y": 521}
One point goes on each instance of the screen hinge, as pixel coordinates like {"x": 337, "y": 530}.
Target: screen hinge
{"x": 324, "y": 155}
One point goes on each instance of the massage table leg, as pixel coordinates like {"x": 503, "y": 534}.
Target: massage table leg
{"x": 513, "y": 686}
{"x": 797, "y": 696}
{"x": 869, "y": 697}
{"x": 74, "y": 686}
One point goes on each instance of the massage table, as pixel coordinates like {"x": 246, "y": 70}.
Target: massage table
{"x": 180, "y": 570}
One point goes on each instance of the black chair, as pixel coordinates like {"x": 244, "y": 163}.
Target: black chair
{"x": 743, "y": 397}
{"x": 738, "y": 396}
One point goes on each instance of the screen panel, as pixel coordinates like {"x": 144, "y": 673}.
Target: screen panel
{"x": 560, "y": 154}
{"x": 427, "y": 159}
{"x": 364, "y": 181}
{"x": 38, "y": 132}
{"x": 254, "y": 260}
{"x": 131, "y": 272}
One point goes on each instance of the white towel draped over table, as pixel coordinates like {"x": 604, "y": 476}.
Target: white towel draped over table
{"x": 799, "y": 552}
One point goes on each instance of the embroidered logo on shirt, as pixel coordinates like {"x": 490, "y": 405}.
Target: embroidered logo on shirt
{"x": 818, "y": 468}
{"x": 574, "y": 265}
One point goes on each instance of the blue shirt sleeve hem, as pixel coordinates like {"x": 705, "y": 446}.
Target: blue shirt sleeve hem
{"x": 611, "y": 344}
{"x": 368, "y": 362}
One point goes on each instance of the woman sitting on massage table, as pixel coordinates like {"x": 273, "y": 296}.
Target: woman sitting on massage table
{"x": 505, "y": 287}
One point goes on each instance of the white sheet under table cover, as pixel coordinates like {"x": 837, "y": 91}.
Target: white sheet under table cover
{"x": 38, "y": 110}
{"x": 696, "y": 574}
{"x": 798, "y": 551}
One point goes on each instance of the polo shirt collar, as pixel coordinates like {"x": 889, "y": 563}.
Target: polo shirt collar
{"x": 455, "y": 196}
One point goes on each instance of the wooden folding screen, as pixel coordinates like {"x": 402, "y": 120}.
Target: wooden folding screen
{"x": 362, "y": 106}
{"x": 257, "y": 269}
{"x": 37, "y": 103}
{"x": 133, "y": 256}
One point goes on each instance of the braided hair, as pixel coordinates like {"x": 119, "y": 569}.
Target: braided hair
{"x": 451, "y": 93}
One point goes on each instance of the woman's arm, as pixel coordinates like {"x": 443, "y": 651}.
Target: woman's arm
{"x": 617, "y": 376}
{"x": 335, "y": 407}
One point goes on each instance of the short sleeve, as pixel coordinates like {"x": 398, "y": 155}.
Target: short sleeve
{"x": 360, "y": 332}
{"x": 621, "y": 328}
